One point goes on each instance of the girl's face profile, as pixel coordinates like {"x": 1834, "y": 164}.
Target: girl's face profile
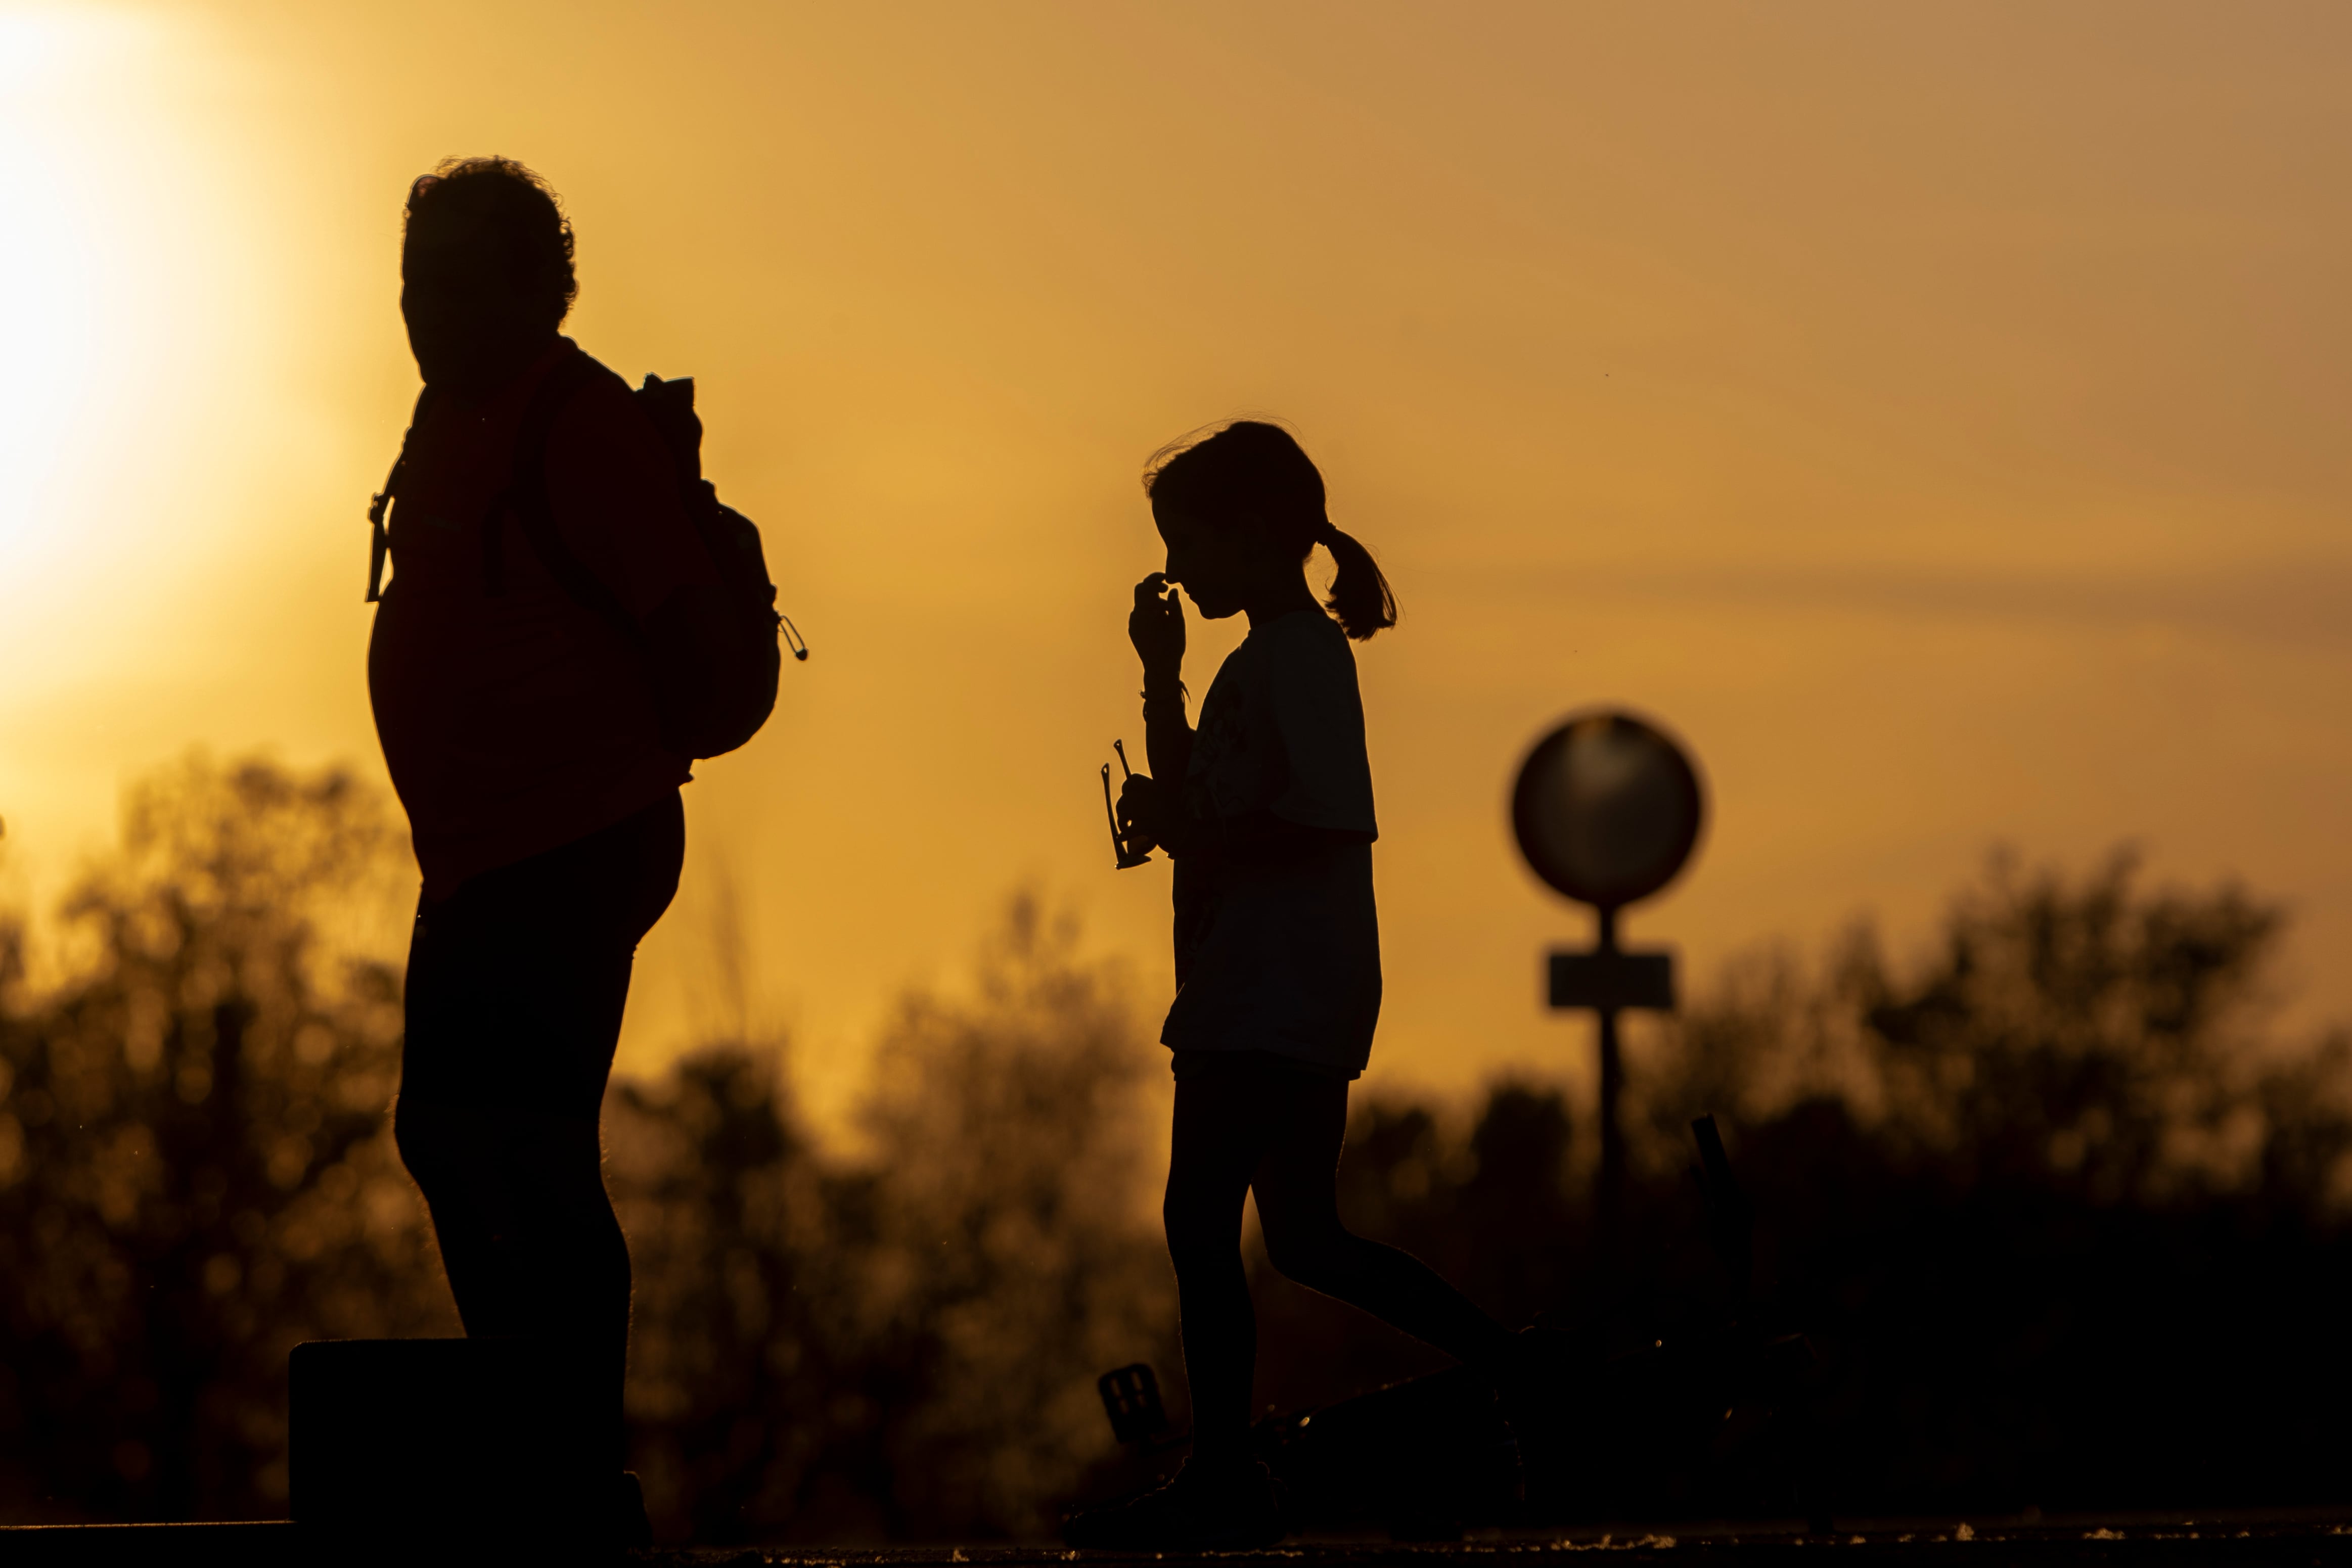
{"x": 1218, "y": 567}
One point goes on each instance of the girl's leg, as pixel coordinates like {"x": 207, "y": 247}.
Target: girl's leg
{"x": 1215, "y": 1145}
{"x": 1299, "y": 1206}
{"x": 1223, "y": 1500}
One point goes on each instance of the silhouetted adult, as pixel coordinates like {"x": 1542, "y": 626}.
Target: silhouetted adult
{"x": 521, "y": 732}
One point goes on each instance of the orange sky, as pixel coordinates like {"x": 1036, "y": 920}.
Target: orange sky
{"x": 1933, "y": 413}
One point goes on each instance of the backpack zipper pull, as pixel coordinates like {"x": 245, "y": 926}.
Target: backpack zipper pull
{"x": 379, "y": 545}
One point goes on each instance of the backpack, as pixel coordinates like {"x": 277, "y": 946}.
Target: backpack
{"x": 711, "y": 652}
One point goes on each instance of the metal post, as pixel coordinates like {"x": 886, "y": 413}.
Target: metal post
{"x": 1606, "y": 810}
{"x": 1611, "y": 1193}
{"x": 1608, "y": 979}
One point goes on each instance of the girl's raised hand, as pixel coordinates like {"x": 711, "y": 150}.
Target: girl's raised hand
{"x": 1156, "y": 627}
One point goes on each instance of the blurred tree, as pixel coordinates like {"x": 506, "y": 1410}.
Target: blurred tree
{"x": 743, "y": 1334}
{"x": 2089, "y": 1036}
{"x": 2072, "y": 1221}
{"x": 194, "y": 1173}
{"x": 904, "y": 1342}
{"x": 2066, "y": 1210}
{"x": 1019, "y": 1251}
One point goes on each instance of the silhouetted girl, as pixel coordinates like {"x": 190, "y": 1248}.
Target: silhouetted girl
{"x": 1266, "y": 810}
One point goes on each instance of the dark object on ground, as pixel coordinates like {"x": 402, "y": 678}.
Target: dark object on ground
{"x": 441, "y": 1440}
{"x": 1643, "y": 1435}
{"x": 1225, "y": 1506}
{"x": 1720, "y": 1415}
{"x": 1421, "y": 1459}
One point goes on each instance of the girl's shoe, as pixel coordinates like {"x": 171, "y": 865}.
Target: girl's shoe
{"x": 1217, "y": 1508}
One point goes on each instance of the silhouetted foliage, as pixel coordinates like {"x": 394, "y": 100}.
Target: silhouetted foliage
{"x": 2074, "y": 1222}
{"x": 2071, "y": 1225}
{"x": 195, "y": 1172}
{"x": 2070, "y": 1221}
{"x": 903, "y": 1343}
{"x": 2090, "y": 1039}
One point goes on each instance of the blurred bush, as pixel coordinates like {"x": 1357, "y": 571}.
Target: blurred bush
{"x": 2069, "y": 1217}
{"x": 900, "y": 1344}
{"x": 195, "y": 1172}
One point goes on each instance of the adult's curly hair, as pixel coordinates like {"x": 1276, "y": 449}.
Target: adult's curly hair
{"x": 503, "y": 198}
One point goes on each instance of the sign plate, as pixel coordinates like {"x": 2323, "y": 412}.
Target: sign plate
{"x": 1610, "y": 980}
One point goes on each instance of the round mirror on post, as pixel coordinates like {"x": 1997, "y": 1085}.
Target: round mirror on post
{"x": 1607, "y": 810}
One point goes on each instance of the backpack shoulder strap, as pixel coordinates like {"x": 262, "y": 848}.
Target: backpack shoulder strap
{"x": 380, "y": 542}
{"x": 528, "y": 499}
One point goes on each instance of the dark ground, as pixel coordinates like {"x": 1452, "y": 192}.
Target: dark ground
{"x": 2271, "y": 1540}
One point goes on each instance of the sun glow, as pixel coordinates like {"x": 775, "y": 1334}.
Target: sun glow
{"x": 119, "y": 322}
{"x": 111, "y": 300}
{"x": 1923, "y": 468}
{"x": 70, "y": 310}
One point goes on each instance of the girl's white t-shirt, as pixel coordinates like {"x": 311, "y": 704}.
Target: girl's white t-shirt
{"x": 1281, "y": 957}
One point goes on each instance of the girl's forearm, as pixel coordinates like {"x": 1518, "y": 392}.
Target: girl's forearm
{"x": 1167, "y": 734}
{"x": 1168, "y": 747}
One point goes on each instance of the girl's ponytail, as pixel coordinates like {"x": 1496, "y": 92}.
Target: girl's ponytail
{"x": 1361, "y": 596}
{"x": 1251, "y": 470}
